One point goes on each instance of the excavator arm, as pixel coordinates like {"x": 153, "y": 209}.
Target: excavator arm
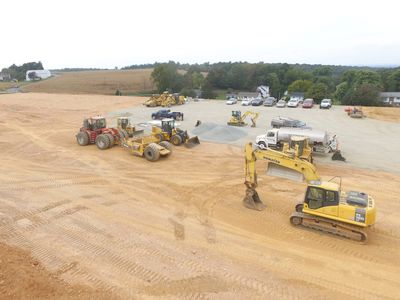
{"x": 253, "y": 116}
{"x": 283, "y": 164}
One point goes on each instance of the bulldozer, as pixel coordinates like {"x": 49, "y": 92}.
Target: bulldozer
{"x": 164, "y": 100}
{"x": 127, "y": 129}
{"x": 237, "y": 118}
{"x": 325, "y": 206}
{"x": 298, "y": 146}
{"x": 148, "y": 147}
{"x": 169, "y": 132}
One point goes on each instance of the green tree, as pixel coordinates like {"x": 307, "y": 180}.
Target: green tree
{"x": 318, "y": 92}
{"x": 166, "y": 77}
{"x": 300, "y": 86}
{"x": 341, "y": 90}
{"x": 367, "y": 77}
{"x": 274, "y": 85}
{"x": 207, "y": 91}
{"x": 197, "y": 80}
{"x": 366, "y": 94}
{"x": 394, "y": 81}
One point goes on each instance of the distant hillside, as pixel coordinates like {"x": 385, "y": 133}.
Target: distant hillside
{"x": 95, "y": 82}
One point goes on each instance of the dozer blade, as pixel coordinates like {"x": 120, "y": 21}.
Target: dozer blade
{"x": 137, "y": 133}
{"x": 252, "y": 200}
{"x": 283, "y": 172}
{"x": 192, "y": 142}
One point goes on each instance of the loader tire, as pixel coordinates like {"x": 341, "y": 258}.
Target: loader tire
{"x": 151, "y": 152}
{"x": 176, "y": 140}
{"x": 111, "y": 139}
{"x": 82, "y": 138}
{"x": 102, "y": 142}
{"x": 159, "y": 136}
{"x": 166, "y": 145}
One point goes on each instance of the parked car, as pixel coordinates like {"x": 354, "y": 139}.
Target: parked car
{"x": 231, "y": 101}
{"x": 293, "y": 103}
{"x": 166, "y": 113}
{"x": 270, "y": 101}
{"x": 308, "y": 103}
{"x": 246, "y": 101}
{"x": 281, "y": 103}
{"x": 326, "y": 103}
{"x": 278, "y": 122}
{"x": 257, "y": 102}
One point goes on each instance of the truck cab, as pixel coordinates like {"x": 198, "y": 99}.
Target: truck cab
{"x": 270, "y": 139}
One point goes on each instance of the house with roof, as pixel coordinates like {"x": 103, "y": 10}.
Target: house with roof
{"x": 390, "y": 98}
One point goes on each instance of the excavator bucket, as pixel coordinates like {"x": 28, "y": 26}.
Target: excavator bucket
{"x": 283, "y": 172}
{"x": 192, "y": 142}
{"x": 252, "y": 200}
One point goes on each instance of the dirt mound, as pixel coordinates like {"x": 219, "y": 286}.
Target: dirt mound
{"x": 218, "y": 133}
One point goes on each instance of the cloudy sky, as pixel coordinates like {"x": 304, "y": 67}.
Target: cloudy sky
{"x": 105, "y": 34}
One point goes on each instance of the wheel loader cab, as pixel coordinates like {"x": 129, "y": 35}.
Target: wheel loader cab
{"x": 123, "y": 122}
{"x": 168, "y": 125}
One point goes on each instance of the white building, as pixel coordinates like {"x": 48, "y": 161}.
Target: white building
{"x": 390, "y": 98}
{"x": 39, "y": 74}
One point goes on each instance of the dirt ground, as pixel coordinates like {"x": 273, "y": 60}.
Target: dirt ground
{"x": 176, "y": 228}
{"x": 95, "y": 82}
{"x": 383, "y": 113}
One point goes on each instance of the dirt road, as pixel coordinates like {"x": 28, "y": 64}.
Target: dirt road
{"x": 175, "y": 228}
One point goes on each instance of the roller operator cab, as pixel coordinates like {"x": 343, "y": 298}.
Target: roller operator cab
{"x": 324, "y": 199}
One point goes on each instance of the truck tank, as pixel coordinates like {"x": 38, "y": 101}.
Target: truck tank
{"x": 315, "y": 136}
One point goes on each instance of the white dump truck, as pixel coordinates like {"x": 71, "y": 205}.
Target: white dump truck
{"x": 318, "y": 139}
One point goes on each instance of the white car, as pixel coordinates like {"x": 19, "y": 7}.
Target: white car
{"x": 231, "y": 101}
{"x": 246, "y": 102}
{"x": 293, "y": 103}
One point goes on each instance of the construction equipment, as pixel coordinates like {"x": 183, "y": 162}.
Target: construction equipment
{"x": 164, "y": 100}
{"x": 147, "y": 146}
{"x": 325, "y": 206}
{"x": 237, "y": 118}
{"x": 355, "y": 112}
{"x": 126, "y": 128}
{"x": 298, "y": 146}
{"x": 95, "y": 131}
{"x": 169, "y": 132}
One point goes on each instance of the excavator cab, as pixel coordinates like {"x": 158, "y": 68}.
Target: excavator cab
{"x": 236, "y": 114}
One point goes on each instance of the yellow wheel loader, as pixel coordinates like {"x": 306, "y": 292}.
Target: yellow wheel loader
{"x": 325, "y": 206}
{"x": 238, "y": 119}
{"x": 168, "y": 132}
{"x": 164, "y": 100}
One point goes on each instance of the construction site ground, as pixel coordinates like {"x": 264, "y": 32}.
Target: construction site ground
{"x": 83, "y": 222}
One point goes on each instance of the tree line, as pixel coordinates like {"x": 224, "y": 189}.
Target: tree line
{"x": 19, "y": 72}
{"x": 346, "y": 84}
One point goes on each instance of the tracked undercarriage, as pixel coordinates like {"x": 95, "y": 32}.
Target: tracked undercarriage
{"x": 328, "y": 225}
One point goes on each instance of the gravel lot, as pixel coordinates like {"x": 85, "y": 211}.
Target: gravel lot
{"x": 365, "y": 143}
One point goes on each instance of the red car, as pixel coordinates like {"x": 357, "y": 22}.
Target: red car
{"x": 308, "y": 103}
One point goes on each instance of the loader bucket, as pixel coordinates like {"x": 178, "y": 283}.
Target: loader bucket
{"x": 192, "y": 142}
{"x": 252, "y": 200}
{"x": 137, "y": 133}
{"x": 283, "y": 172}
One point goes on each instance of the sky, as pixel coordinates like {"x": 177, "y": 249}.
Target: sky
{"x": 118, "y": 33}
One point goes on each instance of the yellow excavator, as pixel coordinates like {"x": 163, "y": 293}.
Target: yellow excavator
{"x": 325, "y": 206}
{"x": 237, "y": 118}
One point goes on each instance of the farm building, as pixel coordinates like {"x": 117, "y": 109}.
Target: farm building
{"x": 390, "y": 98}
{"x": 37, "y": 74}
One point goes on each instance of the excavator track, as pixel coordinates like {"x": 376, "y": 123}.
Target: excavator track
{"x": 330, "y": 226}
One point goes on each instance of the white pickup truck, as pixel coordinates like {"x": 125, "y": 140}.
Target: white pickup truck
{"x": 318, "y": 139}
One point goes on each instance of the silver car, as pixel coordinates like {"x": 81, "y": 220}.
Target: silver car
{"x": 281, "y": 103}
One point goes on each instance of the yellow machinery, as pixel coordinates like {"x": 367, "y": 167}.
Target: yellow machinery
{"x": 237, "y": 118}
{"x": 164, "y": 100}
{"x": 168, "y": 132}
{"x": 299, "y": 147}
{"x": 147, "y": 146}
{"x": 126, "y": 128}
{"x": 325, "y": 206}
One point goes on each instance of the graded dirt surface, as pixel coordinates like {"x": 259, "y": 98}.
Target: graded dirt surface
{"x": 391, "y": 114}
{"x": 176, "y": 229}
{"x": 95, "y": 82}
